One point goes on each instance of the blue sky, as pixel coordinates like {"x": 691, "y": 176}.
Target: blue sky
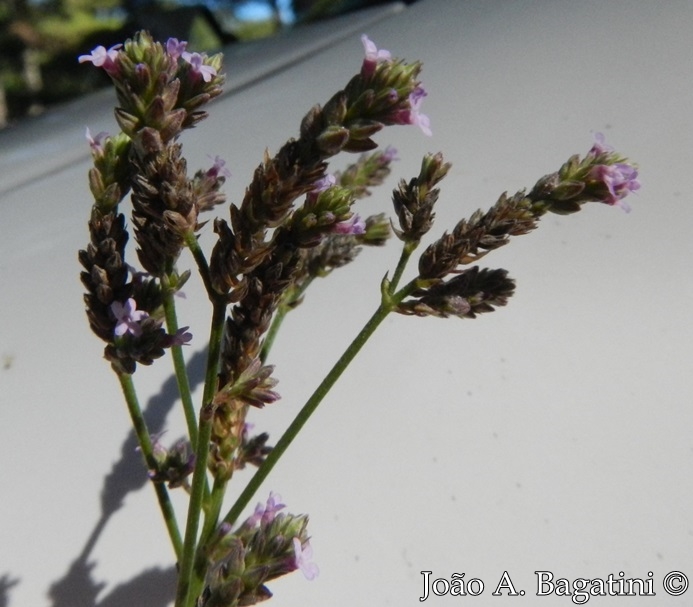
{"x": 252, "y": 11}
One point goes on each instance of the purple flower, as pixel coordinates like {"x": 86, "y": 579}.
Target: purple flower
{"x": 182, "y": 337}
{"x": 302, "y": 555}
{"x": 620, "y": 179}
{"x": 158, "y": 450}
{"x": 600, "y": 147}
{"x": 196, "y": 61}
{"x": 218, "y": 168}
{"x": 412, "y": 114}
{"x": 415, "y": 116}
{"x": 265, "y": 513}
{"x": 324, "y": 183}
{"x": 272, "y": 507}
{"x": 373, "y": 55}
{"x": 101, "y": 57}
{"x": 389, "y": 154}
{"x": 354, "y": 225}
{"x": 96, "y": 143}
{"x": 128, "y": 317}
{"x": 175, "y": 48}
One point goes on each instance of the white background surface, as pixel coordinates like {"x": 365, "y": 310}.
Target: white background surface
{"x": 554, "y": 434}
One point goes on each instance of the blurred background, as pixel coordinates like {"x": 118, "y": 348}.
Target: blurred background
{"x": 41, "y": 39}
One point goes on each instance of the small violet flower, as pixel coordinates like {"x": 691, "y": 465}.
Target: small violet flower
{"x": 600, "y": 146}
{"x": 158, "y": 450}
{"x": 415, "y": 116}
{"x": 373, "y": 55}
{"x": 324, "y": 183}
{"x": 265, "y": 513}
{"x": 175, "y": 48}
{"x": 196, "y": 61}
{"x": 620, "y": 180}
{"x": 354, "y": 225}
{"x": 96, "y": 142}
{"x": 389, "y": 154}
{"x": 128, "y": 317}
{"x": 218, "y": 168}
{"x": 302, "y": 555}
{"x": 101, "y": 57}
{"x": 182, "y": 337}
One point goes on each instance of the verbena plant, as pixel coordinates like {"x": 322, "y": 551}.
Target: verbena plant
{"x": 295, "y": 223}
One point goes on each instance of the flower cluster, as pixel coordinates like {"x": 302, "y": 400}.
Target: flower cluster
{"x": 174, "y": 465}
{"x": 254, "y": 268}
{"x": 160, "y": 92}
{"x": 601, "y": 176}
{"x": 266, "y": 546}
{"x": 296, "y": 222}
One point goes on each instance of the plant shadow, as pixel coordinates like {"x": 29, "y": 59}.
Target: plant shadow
{"x": 5, "y": 584}
{"x": 153, "y": 587}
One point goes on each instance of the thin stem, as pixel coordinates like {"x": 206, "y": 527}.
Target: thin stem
{"x": 268, "y": 342}
{"x": 180, "y": 369}
{"x": 407, "y": 250}
{"x": 202, "y": 265}
{"x": 199, "y": 480}
{"x": 210, "y": 524}
{"x": 386, "y": 306}
{"x": 147, "y": 449}
{"x": 181, "y": 374}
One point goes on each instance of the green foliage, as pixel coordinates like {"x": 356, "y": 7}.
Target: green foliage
{"x": 252, "y": 30}
{"x": 61, "y": 32}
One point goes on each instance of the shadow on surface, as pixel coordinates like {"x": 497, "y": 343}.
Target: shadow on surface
{"x": 154, "y": 587}
{"x": 5, "y": 584}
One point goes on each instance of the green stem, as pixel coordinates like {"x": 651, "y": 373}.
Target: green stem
{"x": 210, "y": 525}
{"x": 268, "y": 342}
{"x": 180, "y": 369}
{"x": 202, "y": 265}
{"x": 407, "y": 250}
{"x": 147, "y": 449}
{"x": 186, "y": 583}
{"x": 181, "y": 374}
{"x": 386, "y": 306}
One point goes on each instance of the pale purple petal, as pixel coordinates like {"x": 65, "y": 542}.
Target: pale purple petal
{"x": 100, "y": 57}
{"x": 620, "y": 180}
{"x": 302, "y": 555}
{"x": 415, "y": 116}
{"x": 128, "y": 317}
{"x": 175, "y": 48}
{"x": 324, "y": 183}
{"x": 373, "y": 53}
{"x": 218, "y": 168}
{"x": 96, "y": 142}
{"x": 256, "y": 516}
{"x": 389, "y": 154}
{"x": 354, "y": 225}
{"x": 266, "y": 513}
{"x": 182, "y": 337}
{"x": 600, "y": 146}
{"x": 196, "y": 61}
{"x": 273, "y": 506}
{"x": 373, "y": 56}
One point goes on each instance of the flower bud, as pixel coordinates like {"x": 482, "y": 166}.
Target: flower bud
{"x": 332, "y": 140}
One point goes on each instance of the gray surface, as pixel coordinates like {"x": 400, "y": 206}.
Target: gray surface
{"x": 553, "y": 434}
